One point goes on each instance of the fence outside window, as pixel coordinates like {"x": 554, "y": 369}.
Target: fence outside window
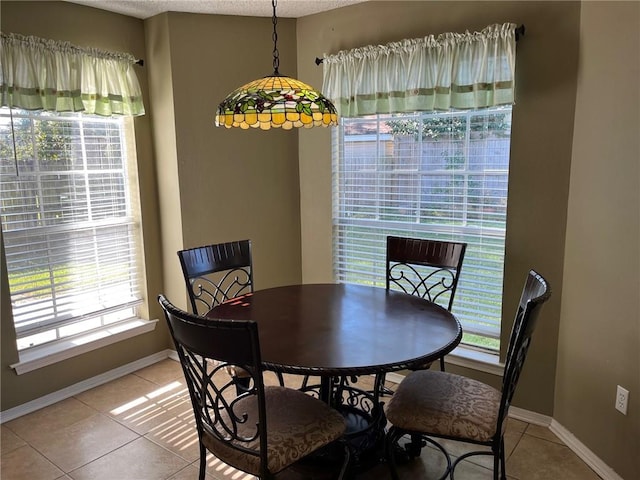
{"x": 438, "y": 175}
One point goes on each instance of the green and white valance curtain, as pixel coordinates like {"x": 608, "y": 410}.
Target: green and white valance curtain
{"x": 434, "y": 73}
{"x": 39, "y": 74}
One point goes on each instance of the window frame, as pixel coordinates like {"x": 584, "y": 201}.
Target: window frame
{"x": 376, "y": 275}
{"x": 111, "y": 323}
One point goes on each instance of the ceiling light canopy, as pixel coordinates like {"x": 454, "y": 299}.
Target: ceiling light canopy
{"x": 276, "y": 101}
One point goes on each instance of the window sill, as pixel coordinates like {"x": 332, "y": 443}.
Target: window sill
{"x": 466, "y": 357}
{"x": 476, "y": 360}
{"x": 38, "y": 357}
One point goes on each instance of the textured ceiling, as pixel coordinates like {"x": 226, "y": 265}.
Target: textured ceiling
{"x": 254, "y": 8}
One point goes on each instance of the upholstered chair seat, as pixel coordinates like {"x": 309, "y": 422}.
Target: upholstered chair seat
{"x": 429, "y": 404}
{"x": 297, "y": 424}
{"x": 445, "y": 404}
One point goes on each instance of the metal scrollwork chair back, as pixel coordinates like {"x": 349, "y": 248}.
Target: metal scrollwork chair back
{"x": 426, "y": 268}
{"x": 261, "y": 430}
{"x": 444, "y": 405}
{"x": 216, "y": 273}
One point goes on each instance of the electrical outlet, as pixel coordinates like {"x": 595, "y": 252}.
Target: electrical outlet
{"x": 622, "y": 397}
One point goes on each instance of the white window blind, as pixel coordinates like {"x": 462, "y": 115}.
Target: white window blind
{"x": 426, "y": 175}
{"x": 69, "y": 222}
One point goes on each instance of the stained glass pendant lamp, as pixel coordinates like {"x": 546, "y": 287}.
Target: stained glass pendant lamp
{"x": 276, "y": 101}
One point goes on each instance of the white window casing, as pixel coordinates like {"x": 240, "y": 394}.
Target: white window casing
{"x": 70, "y": 222}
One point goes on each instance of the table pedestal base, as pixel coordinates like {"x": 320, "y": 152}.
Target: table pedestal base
{"x": 364, "y": 416}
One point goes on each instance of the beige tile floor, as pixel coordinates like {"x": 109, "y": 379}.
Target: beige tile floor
{"x": 141, "y": 427}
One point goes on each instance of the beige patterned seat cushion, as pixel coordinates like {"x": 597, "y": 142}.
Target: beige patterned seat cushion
{"x": 297, "y": 423}
{"x": 441, "y": 403}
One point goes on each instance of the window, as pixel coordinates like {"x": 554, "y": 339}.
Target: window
{"x": 69, "y": 221}
{"x": 429, "y": 175}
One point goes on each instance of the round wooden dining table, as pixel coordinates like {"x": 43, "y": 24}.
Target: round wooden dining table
{"x": 340, "y": 331}
{"x": 344, "y": 329}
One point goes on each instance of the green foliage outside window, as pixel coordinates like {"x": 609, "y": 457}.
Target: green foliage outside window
{"x": 449, "y": 127}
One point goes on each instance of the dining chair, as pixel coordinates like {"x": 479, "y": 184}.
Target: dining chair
{"x": 440, "y": 404}
{"x": 261, "y": 430}
{"x": 425, "y": 268}
{"x": 216, "y": 273}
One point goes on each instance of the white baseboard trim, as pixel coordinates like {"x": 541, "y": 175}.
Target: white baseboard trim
{"x": 587, "y": 456}
{"x": 82, "y": 386}
{"x": 530, "y": 417}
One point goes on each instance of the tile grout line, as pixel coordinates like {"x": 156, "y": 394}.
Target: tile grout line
{"x": 527, "y": 430}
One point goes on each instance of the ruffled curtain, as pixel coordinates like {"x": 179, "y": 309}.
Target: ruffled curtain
{"x": 450, "y": 71}
{"x": 39, "y": 74}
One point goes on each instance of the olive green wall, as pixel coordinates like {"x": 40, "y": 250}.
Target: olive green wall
{"x": 546, "y": 69}
{"x": 222, "y": 184}
{"x": 599, "y": 344}
{"x": 95, "y": 28}
{"x": 158, "y": 65}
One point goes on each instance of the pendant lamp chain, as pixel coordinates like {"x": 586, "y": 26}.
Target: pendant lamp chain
{"x": 276, "y": 101}
{"x": 274, "y": 36}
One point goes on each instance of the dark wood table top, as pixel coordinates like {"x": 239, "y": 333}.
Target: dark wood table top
{"x": 341, "y": 329}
